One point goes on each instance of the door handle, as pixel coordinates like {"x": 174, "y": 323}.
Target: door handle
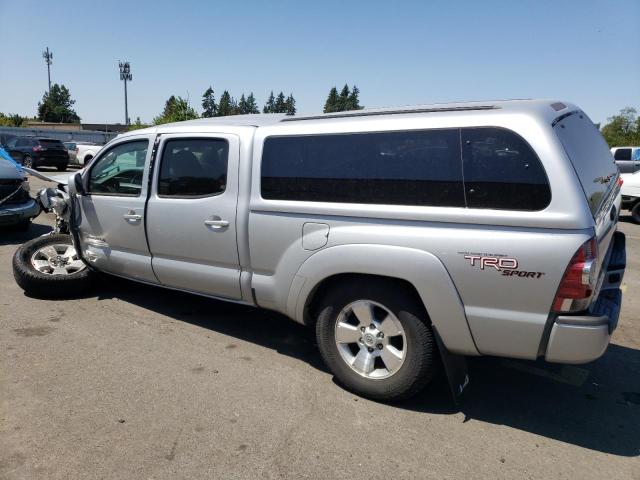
{"x": 216, "y": 224}
{"x": 132, "y": 217}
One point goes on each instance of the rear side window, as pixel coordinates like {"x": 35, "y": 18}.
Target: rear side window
{"x": 193, "y": 167}
{"x": 501, "y": 171}
{"x": 393, "y": 168}
{"x": 623, "y": 154}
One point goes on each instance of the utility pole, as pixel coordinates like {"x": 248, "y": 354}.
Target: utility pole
{"x": 48, "y": 59}
{"x": 125, "y": 74}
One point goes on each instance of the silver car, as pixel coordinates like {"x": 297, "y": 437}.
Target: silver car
{"x": 399, "y": 235}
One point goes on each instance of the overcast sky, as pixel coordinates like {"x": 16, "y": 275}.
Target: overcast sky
{"x": 397, "y": 53}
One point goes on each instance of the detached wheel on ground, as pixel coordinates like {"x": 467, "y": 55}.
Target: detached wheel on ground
{"x": 635, "y": 212}
{"x": 375, "y": 338}
{"x": 49, "y": 267}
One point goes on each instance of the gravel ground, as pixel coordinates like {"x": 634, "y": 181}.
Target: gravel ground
{"x": 139, "y": 382}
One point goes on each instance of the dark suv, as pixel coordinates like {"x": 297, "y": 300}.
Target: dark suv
{"x": 34, "y": 152}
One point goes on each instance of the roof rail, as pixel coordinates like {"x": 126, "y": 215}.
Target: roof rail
{"x": 358, "y": 113}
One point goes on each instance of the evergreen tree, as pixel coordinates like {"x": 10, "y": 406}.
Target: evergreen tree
{"x": 56, "y": 106}
{"x": 252, "y": 106}
{"x": 353, "y": 102}
{"x": 290, "y": 105}
{"x": 225, "y": 106}
{"x": 235, "y": 109}
{"x": 270, "y": 106}
{"x": 209, "y": 104}
{"x": 331, "y": 105}
{"x": 281, "y": 105}
{"x": 343, "y": 100}
{"x": 243, "y": 108}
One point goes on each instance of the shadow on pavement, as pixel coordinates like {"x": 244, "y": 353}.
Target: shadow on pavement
{"x": 10, "y": 235}
{"x": 594, "y": 406}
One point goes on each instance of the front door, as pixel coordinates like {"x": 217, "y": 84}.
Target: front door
{"x": 111, "y": 227}
{"x": 191, "y": 215}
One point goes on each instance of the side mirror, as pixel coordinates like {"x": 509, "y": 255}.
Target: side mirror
{"x": 78, "y": 184}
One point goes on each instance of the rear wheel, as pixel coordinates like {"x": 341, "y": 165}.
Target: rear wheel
{"x": 61, "y": 168}
{"x": 27, "y": 161}
{"x": 375, "y": 338}
{"x": 49, "y": 267}
{"x": 635, "y": 212}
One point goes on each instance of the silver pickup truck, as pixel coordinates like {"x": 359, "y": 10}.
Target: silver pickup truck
{"x": 473, "y": 228}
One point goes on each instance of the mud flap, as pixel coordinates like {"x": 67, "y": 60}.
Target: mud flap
{"x": 455, "y": 367}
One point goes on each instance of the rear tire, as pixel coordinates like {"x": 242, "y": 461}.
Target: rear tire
{"x": 27, "y": 161}
{"x": 46, "y": 282}
{"x": 61, "y": 168}
{"x": 635, "y": 212}
{"x": 385, "y": 363}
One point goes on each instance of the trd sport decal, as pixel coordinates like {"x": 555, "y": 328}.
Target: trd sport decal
{"x": 507, "y": 266}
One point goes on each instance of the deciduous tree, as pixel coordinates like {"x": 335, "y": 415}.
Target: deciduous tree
{"x": 176, "y": 109}
{"x": 623, "y": 129}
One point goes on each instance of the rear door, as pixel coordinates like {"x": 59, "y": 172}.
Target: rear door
{"x": 112, "y": 211}
{"x": 191, "y": 215}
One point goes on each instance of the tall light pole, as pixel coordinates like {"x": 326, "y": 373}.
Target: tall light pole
{"x": 48, "y": 59}
{"x": 125, "y": 74}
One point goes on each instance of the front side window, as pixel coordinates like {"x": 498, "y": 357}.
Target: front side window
{"x": 193, "y": 167}
{"x": 393, "y": 168}
{"x": 501, "y": 171}
{"x": 119, "y": 171}
{"x": 623, "y": 154}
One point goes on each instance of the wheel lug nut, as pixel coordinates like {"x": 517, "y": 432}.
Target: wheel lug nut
{"x": 380, "y": 335}
{"x": 362, "y": 329}
{"x": 372, "y": 326}
{"x": 370, "y": 349}
{"x": 379, "y": 346}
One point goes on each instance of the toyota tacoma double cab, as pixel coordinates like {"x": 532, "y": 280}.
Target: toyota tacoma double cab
{"x": 398, "y": 235}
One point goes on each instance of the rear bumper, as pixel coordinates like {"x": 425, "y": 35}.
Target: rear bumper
{"x": 584, "y": 338}
{"x": 57, "y": 161}
{"x": 12, "y": 214}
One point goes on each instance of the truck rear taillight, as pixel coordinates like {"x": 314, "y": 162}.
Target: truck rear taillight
{"x": 579, "y": 280}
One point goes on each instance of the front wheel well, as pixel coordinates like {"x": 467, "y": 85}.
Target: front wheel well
{"x": 319, "y": 291}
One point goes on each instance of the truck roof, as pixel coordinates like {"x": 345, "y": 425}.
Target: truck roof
{"x": 548, "y": 109}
